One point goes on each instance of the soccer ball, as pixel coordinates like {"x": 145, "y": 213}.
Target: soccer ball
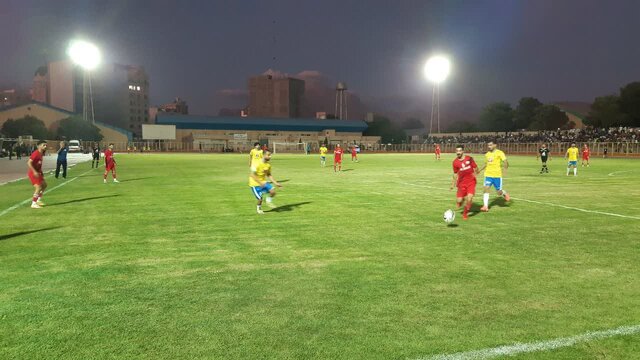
{"x": 449, "y": 216}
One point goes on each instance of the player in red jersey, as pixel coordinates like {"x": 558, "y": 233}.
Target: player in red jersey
{"x": 354, "y": 154}
{"x": 337, "y": 158}
{"x": 35, "y": 174}
{"x": 464, "y": 169}
{"x": 586, "y": 153}
{"x": 437, "y": 151}
{"x": 109, "y": 164}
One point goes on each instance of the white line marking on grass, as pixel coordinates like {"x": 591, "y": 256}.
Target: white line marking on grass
{"x": 521, "y": 348}
{"x": 6, "y": 211}
{"x": 545, "y": 203}
{"x": 619, "y": 172}
{"x": 578, "y": 209}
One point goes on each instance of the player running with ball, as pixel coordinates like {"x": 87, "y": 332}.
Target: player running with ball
{"x": 464, "y": 178}
{"x": 492, "y": 167}
{"x": 259, "y": 184}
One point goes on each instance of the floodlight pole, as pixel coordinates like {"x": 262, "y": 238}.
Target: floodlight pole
{"x": 88, "y": 114}
{"x": 435, "y": 108}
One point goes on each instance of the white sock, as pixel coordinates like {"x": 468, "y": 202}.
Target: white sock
{"x": 485, "y": 199}
{"x": 259, "y": 208}
{"x": 575, "y": 171}
{"x": 504, "y": 192}
{"x": 269, "y": 199}
{"x": 568, "y": 169}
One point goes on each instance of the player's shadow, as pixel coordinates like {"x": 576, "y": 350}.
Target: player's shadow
{"x": 82, "y": 200}
{"x": 136, "y": 179}
{"x": 453, "y": 225}
{"x": 499, "y": 202}
{"x": 283, "y": 181}
{"x": 289, "y": 207}
{"x": 20, "y": 233}
{"x": 347, "y": 170}
{"x": 475, "y": 210}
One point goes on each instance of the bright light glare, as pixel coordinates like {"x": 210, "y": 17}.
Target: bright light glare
{"x": 84, "y": 54}
{"x": 437, "y": 69}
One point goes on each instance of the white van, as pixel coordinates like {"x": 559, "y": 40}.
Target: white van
{"x": 74, "y": 146}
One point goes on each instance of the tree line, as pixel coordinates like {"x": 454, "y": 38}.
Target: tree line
{"x": 622, "y": 109}
{"x": 73, "y": 127}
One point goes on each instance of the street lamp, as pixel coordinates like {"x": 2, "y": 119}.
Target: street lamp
{"x": 436, "y": 70}
{"x": 87, "y": 56}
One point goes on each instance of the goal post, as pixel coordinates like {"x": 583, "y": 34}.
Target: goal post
{"x": 289, "y": 147}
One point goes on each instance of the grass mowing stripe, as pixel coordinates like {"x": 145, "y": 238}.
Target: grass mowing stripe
{"x": 519, "y": 348}
{"x": 8, "y": 210}
{"x": 544, "y": 203}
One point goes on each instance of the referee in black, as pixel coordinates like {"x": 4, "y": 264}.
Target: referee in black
{"x": 96, "y": 155}
{"x": 543, "y": 153}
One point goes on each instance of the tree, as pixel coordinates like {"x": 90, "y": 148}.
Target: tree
{"x": 549, "y": 117}
{"x": 28, "y": 125}
{"x": 630, "y": 103}
{"x": 525, "y": 112}
{"x": 388, "y": 131}
{"x": 76, "y": 128}
{"x": 606, "y": 112}
{"x": 412, "y": 123}
{"x": 497, "y": 117}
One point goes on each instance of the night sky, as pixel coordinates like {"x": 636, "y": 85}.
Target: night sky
{"x": 201, "y": 50}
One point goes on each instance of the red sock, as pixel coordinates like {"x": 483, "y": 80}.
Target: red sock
{"x": 467, "y": 207}
{"x": 35, "y": 198}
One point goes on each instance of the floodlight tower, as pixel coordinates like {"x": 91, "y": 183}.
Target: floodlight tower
{"x": 88, "y": 57}
{"x": 341, "y": 101}
{"x": 436, "y": 71}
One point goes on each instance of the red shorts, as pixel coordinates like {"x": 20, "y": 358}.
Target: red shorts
{"x": 466, "y": 188}
{"x": 437, "y": 152}
{"x": 35, "y": 180}
{"x": 585, "y": 157}
{"x": 337, "y": 161}
{"x": 110, "y": 166}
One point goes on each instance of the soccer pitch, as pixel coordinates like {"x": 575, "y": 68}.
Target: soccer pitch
{"x": 174, "y": 263}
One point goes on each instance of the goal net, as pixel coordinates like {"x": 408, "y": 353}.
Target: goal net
{"x": 288, "y": 147}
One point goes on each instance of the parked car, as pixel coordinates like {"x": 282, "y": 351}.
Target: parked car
{"x": 74, "y": 146}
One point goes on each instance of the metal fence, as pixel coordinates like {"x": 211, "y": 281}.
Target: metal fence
{"x": 625, "y": 149}
{"x": 615, "y": 149}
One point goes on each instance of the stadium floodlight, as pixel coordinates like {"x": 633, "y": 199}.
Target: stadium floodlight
{"x": 84, "y": 54}
{"x": 436, "y": 70}
{"x": 87, "y": 56}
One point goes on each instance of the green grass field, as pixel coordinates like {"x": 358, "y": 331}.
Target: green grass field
{"x": 173, "y": 262}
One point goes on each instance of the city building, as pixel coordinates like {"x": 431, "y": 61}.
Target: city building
{"x": 210, "y": 132}
{"x": 12, "y": 97}
{"x": 120, "y": 93}
{"x": 178, "y": 106}
{"x": 275, "y": 96}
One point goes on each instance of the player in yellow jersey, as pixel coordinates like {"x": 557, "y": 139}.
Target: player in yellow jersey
{"x": 259, "y": 184}
{"x": 323, "y": 155}
{"x": 572, "y": 157}
{"x": 255, "y": 156}
{"x": 494, "y": 160}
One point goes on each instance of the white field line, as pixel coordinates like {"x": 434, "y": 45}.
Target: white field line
{"x": 521, "y": 348}
{"x": 619, "y": 172}
{"x": 546, "y": 203}
{"x": 8, "y": 210}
